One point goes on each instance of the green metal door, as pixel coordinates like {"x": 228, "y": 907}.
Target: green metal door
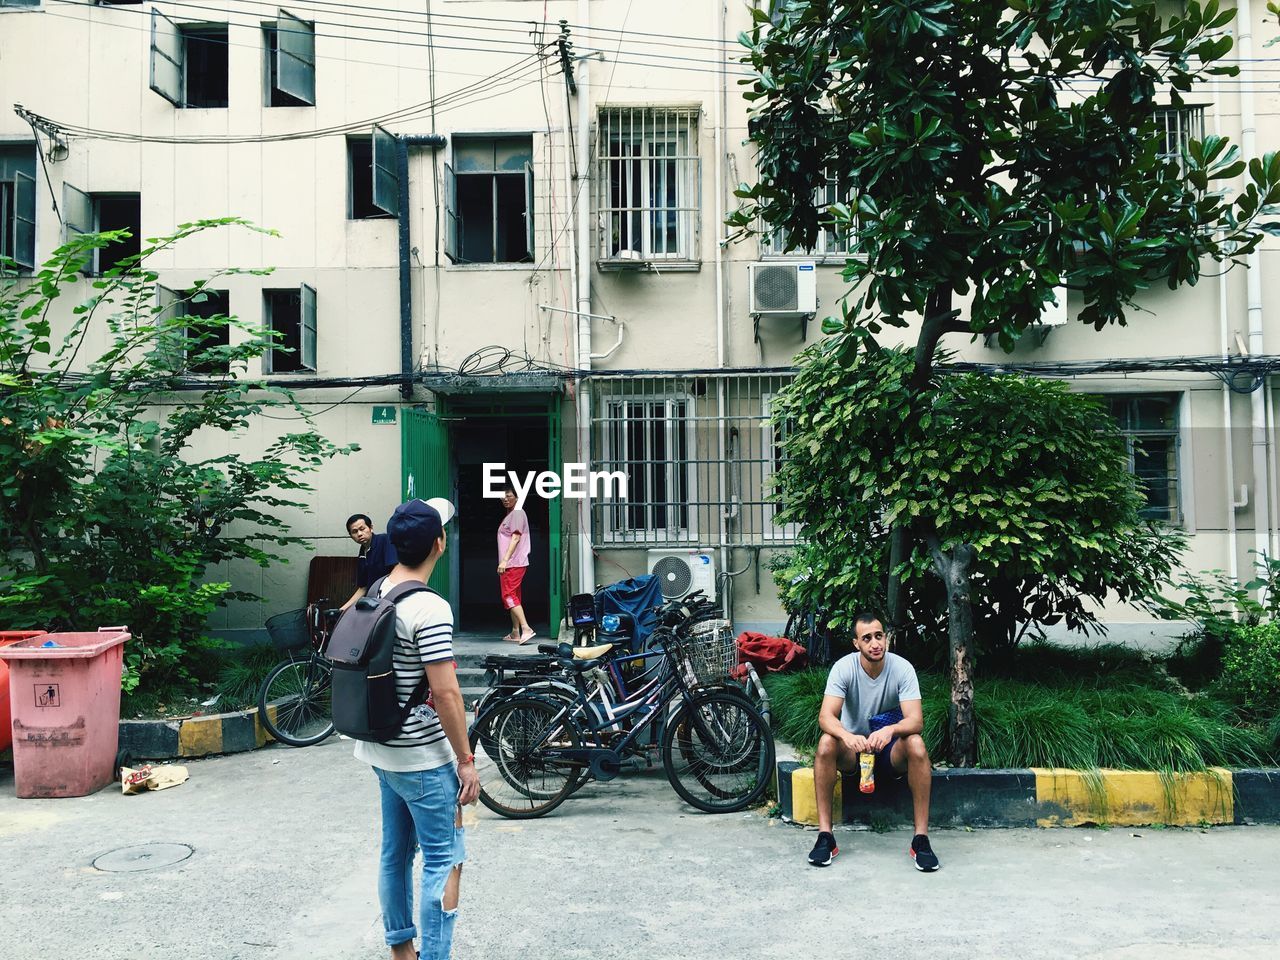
{"x": 424, "y": 470}
{"x": 554, "y": 462}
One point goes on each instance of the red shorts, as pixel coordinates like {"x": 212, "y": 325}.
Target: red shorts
{"x": 509, "y": 583}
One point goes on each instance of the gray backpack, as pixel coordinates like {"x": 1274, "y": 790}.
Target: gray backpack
{"x": 362, "y": 651}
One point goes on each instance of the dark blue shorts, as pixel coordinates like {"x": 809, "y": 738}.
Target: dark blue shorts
{"x": 884, "y": 768}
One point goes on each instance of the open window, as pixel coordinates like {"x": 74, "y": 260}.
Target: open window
{"x": 213, "y": 306}
{"x": 291, "y": 315}
{"x": 99, "y": 213}
{"x": 189, "y": 64}
{"x": 17, "y": 206}
{"x": 373, "y": 186}
{"x": 489, "y": 193}
{"x": 650, "y": 440}
{"x": 289, "y": 46}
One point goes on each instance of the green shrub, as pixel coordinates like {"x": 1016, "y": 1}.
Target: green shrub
{"x": 1084, "y": 724}
{"x": 241, "y": 676}
{"x": 1251, "y": 668}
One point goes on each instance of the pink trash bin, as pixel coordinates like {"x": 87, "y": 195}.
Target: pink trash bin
{"x": 65, "y": 701}
{"x": 6, "y": 718}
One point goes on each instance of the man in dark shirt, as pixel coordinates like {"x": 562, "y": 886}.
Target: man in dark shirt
{"x": 377, "y": 555}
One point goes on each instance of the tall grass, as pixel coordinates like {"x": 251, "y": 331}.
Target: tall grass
{"x": 1069, "y": 719}
{"x": 241, "y": 676}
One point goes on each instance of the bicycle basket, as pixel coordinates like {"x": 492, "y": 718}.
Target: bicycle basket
{"x": 711, "y": 652}
{"x": 289, "y": 630}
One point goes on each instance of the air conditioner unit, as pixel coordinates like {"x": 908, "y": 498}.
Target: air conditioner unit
{"x": 783, "y": 289}
{"x": 1055, "y": 314}
{"x": 681, "y": 572}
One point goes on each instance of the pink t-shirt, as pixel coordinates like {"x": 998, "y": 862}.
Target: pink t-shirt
{"x": 515, "y": 522}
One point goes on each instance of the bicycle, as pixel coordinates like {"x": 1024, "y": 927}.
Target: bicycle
{"x": 717, "y": 751}
{"x": 294, "y": 701}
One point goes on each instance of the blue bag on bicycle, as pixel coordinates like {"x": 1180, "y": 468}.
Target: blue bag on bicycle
{"x": 636, "y": 597}
{"x": 362, "y": 648}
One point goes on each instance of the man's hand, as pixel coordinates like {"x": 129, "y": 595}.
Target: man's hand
{"x": 855, "y": 743}
{"x": 502, "y": 568}
{"x": 879, "y": 739}
{"x": 469, "y": 780}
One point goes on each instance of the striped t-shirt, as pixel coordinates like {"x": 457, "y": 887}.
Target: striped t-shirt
{"x": 424, "y": 634}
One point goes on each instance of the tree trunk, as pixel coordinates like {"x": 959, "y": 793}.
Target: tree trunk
{"x": 955, "y": 570}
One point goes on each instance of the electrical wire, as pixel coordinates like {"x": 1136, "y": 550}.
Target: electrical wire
{"x": 493, "y": 85}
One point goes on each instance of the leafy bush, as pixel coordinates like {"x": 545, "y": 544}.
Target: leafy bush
{"x": 1085, "y": 722}
{"x": 1251, "y": 668}
{"x": 108, "y": 512}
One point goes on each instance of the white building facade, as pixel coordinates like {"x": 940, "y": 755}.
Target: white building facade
{"x": 472, "y": 203}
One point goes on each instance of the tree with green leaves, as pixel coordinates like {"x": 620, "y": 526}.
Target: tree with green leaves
{"x": 993, "y": 154}
{"x": 1029, "y": 476}
{"x": 109, "y": 511}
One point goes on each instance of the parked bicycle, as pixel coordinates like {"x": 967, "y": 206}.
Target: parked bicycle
{"x": 533, "y": 750}
{"x": 294, "y": 701}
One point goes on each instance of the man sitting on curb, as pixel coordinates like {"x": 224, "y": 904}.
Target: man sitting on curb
{"x": 861, "y": 687}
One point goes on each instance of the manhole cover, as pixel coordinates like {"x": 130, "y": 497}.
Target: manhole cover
{"x": 144, "y": 856}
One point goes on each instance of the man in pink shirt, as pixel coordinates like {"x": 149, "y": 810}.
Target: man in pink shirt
{"x": 513, "y": 561}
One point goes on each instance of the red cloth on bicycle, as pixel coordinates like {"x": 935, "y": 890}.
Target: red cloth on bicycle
{"x": 773, "y": 654}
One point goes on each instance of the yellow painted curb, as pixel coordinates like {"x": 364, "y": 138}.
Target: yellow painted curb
{"x": 804, "y": 798}
{"x": 1133, "y": 797}
{"x": 200, "y": 736}
{"x": 259, "y": 731}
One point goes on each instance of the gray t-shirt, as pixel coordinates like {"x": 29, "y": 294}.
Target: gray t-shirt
{"x": 864, "y": 698}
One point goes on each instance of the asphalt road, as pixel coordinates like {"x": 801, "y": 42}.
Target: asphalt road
{"x": 283, "y": 852}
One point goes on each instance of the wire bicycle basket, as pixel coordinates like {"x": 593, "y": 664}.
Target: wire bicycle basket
{"x": 710, "y": 651}
{"x": 289, "y": 630}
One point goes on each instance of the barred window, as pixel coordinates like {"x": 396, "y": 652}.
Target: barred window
{"x": 830, "y": 242}
{"x": 1176, "y": 127}
{"x": 648, "y": 181}
{"x": 699, "y": 454}
{"x": 1150, "y": 426}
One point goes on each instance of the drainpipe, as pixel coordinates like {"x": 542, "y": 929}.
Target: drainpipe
{"x": 721, "y": 353}
{"x": 435, "y": 141}
{"x": 586, "y": 557}
{"x": 1253, "y": 295}
{"x": 1224, "y": 336}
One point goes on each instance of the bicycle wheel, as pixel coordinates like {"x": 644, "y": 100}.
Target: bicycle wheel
{"x": 515, "y": 745}
{"x": 294, "y": 703}
{"x": 718, "y": 753}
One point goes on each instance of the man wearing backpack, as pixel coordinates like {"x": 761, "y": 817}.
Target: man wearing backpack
{"x": 426, "y": 770}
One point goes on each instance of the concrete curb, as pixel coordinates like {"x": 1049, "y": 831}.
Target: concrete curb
{"x": 186, "y": 737}
{"x": 1048, "y": 798}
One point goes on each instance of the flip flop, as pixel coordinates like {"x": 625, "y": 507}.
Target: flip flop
{"x": 525, "y": 639}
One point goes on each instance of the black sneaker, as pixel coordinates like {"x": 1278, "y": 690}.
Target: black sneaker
{"x": 824, "y": 851}
{"x": 926, "y": 860}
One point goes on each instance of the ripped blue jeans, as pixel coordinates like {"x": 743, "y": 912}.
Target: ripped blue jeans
{"x": 418, "y": 812}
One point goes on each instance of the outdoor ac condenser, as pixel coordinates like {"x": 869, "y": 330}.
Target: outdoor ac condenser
{"x": 786, "y": 288}
{"x": 681, "y": 572}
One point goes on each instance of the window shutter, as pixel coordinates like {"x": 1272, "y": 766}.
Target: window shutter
{"x": 308, "y": 318}
{"x": 171, "y": 337}
{"x": 386, "y": 178}
{"x": 77, "y": 212}
{"x": 23, "y": 246}
{"x": 295, "y": 57}
{"x": 450, "y": 214}
{"x": 528, "y": 207}
{"x": 168, "y": 54}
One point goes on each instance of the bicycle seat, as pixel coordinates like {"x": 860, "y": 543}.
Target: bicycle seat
{"x": 592, "y": 653}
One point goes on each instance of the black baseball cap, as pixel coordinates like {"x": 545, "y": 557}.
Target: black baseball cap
{"x": 417, "y": 524}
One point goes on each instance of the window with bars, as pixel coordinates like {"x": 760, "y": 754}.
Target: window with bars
{"x": 699, "y": 454}
{"x": 1176, "y": 127}
{"x": 1150, "y": 426}
{"x": 649, "y": 175}
{"x": 830, "y": 242}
